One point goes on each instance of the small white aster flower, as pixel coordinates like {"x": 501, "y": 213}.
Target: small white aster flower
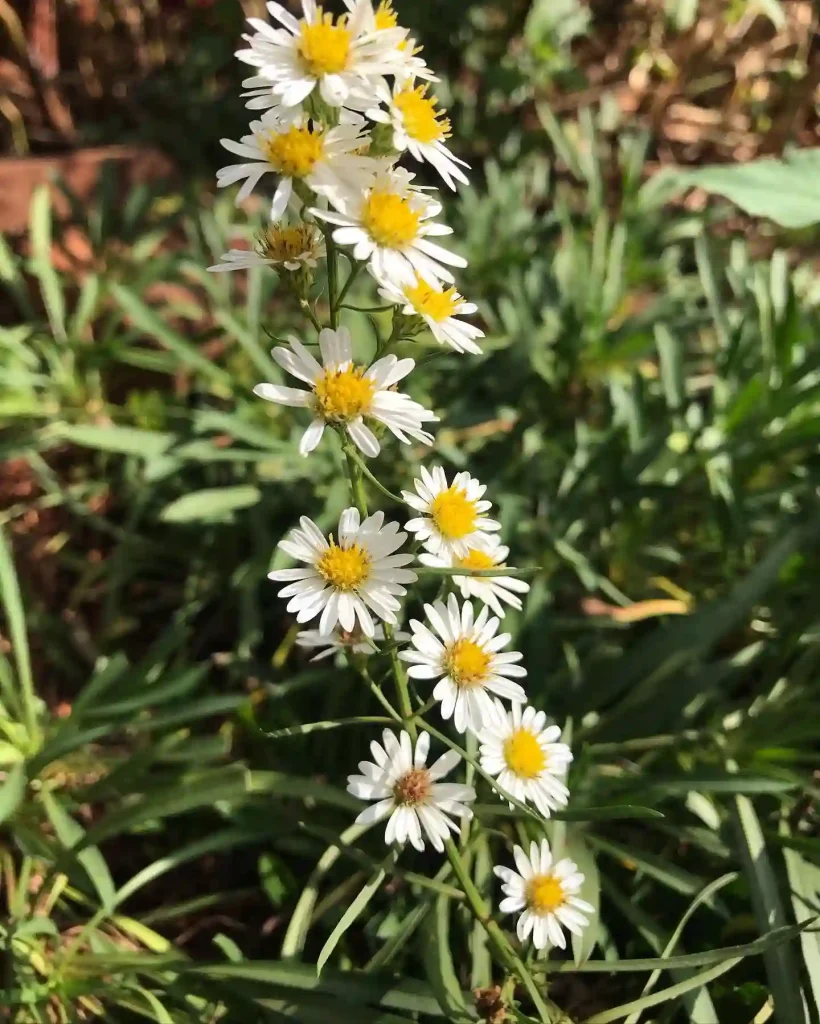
{"x": 490, "y": 590}
{"x": 343, "y": 394}
{"x": 439, "y": 308}
{"x": 389, "y": 224}
{"x": 452, "y": 515}
{"x": 343, "y": 580}
{"x": 463, "y": 654}
{"x": 404, "y": 61}
{"x": 523, "y": 752}
{"x": 336, "y": 54}
{"x": 297, "y": 149}
{"x": 342, "y": 640}
{"x": 545, "y": 894}
{"x": 286, "y": 247}
{"x": 409, "y": 792}
{"x": 419, "y": 128}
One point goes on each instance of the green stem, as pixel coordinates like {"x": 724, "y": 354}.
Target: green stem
{"x": 354, "y": 475}
{"x": 354, "y": 273}
{"x": 332, "y": 279}
{"x": 376, "y": 483}
{"x": 367, "y": 309}
{"x": 547, "y": 1011}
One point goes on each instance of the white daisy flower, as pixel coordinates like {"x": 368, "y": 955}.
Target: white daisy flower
{"x": 523, "y": 752}
{"x": 463, "y": 654}
{"x": 491, "y": 590}
{"x": 343, "y": 394}
{"x": 297, "y": 149}
{"x": 389, "y": 224}
{"x": 335, "y": 54}
{"x": 410, "y": 792}
{"x": 545, "y": 894}
{"x": 342, "y": 579}
{"x": 342, "y": 640}
{"x": 438, "y": 307}
{"x": 419, "y": 127}
{"x": 286, "y": 247}
{"x": 453, "y": 515}
{"x": 404, "y": 61}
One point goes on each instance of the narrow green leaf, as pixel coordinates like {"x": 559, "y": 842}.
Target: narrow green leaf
{"x": 50, "y": 286}
{"x": 12, "y": 604}
{"x": 436, "y": 951}
{"x": 781, "y": 964}
{"x": 71, "y": 834}
{"x": 356, "y": 907}
{"x": 771, "y": 940}
{"x": 145, "y": 319}
{"x": 702, "y": 897}
{"x": 299, "y": 924}
{"x": 673, "y": 992}
{"x": 804, "y": 879}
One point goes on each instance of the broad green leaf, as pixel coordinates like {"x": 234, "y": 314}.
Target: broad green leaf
{"x": 365, "y": 895}
{"x": 211, "y": 505}
{"x": 122, "y": 440}
{"x": 786, "y": 191}
{"x": 12, "y": 790}
{"x": 577, "y": 849}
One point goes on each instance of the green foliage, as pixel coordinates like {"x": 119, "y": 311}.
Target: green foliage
{"x": 646, "y": 413}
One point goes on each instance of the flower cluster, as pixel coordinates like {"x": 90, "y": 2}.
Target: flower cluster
{"x": 340, "y": 101}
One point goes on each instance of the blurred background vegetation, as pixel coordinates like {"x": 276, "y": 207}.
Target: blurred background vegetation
{"x": 647, "y": 415}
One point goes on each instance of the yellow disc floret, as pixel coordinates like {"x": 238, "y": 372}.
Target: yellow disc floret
{"x": 523, "y": 754}
{"x": 295, "y": 152}
{"x": 422, "y": 121}
{"x": 344, "y": 395}
{"x": 453, "y": 513}
{"x": 390, "y": 219}
{"x": 545, "y": 893}
{"x": 476, "y": 559}
{"x": 429, "y": 301}
{"x": 325, "y": 45}
{"x": 287, "y": 244}
{"x": 344, "y": 568}
{"x": 467, "y": 663}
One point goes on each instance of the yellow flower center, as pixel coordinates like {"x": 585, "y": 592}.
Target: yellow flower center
{"x": 283, "y": 244}
{"x": 390, "y": 219}
{"x": 545, "y": 893}
{"x": 413, "y": 788}
{"x": 524, "y": 755}
{"x": 476, "y": 559}
{"x": 344, "y": 568}
{"x": 343, "y": 395}
{"x": 422, "y": 121}
{"x": 467, "y": 663}
{"x": 386, "y": 17}
{"x": 453, "y": 513}
{"x": 293, "y": 153}
{"x": 428, "y": 301}
{"x": 325, "y": 46}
